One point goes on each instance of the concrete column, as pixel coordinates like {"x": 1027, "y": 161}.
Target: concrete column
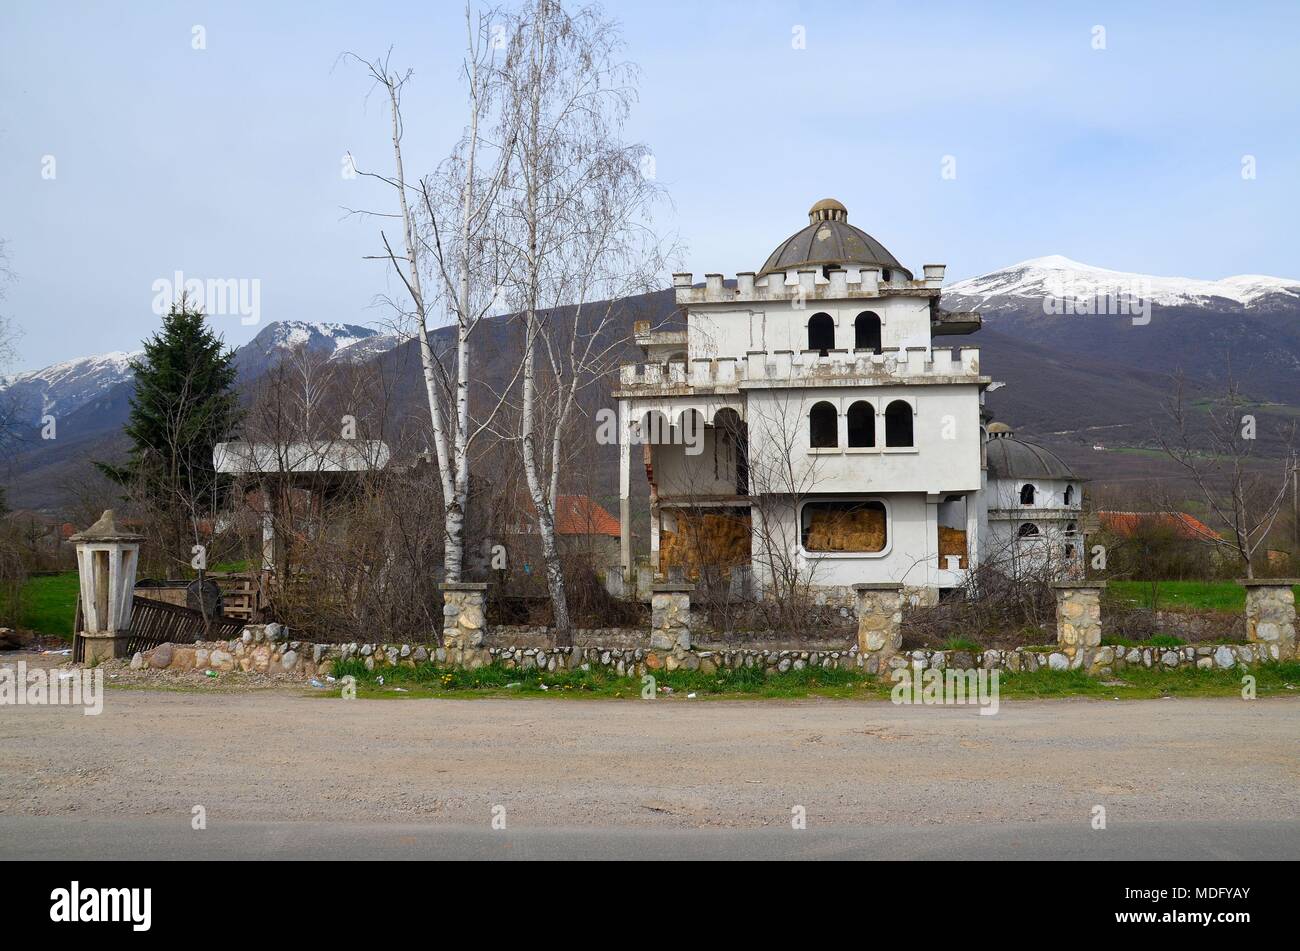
{"x": 464, "y": 614}
{"x": 1270, "y": 615}
{"x": 670, "y": 616}
{"x": 1078, "y": 620}
{"x": 880, "y": 622}
{"x": 625, "y": 492}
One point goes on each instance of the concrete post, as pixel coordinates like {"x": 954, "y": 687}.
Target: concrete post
{"x": 670, "y": 616}
{"x": 880, "y": 622}
{"x": 1078, "y": 620}
{"x": 1270, "y": 615}
{"x": 464, "y": 614}
{"x": 106, "y": 564}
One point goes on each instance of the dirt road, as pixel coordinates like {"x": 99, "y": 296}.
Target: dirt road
{"x": 280, "y": 755}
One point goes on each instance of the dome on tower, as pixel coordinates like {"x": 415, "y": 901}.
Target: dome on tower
{"x": 830, "y": 241}
{"x": 1012, "y": 458}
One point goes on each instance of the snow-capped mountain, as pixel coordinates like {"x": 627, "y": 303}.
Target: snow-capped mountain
{"x": 1056, "y": 276}
{"x": 335, "y": 341}
{"x": 66, "y": 386}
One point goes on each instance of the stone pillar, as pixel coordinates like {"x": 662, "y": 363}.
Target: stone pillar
{"x": 880, "y": 622}
{"x": 106, "y": 564}
{"x": 1270, "y": 615}
{"x": 1078, "y": 620}
{"x": 670, "y": 616}
{"x": 464, "y": 614}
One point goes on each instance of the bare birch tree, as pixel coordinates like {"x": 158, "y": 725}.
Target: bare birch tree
{"x": 578, "y": 208}
{"x": 448, "y": 261}
{"x": 1216, "y": 451}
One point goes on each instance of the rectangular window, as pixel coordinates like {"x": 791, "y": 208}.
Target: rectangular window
{"x": 843, "y": 526}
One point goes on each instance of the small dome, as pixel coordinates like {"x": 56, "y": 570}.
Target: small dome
{"x": 999, "y": 429}
{"x": 830, "y": 241}
{"x": 1012, "y": 458}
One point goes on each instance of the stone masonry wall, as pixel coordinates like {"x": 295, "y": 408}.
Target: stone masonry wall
{"x": 266, "y": 649}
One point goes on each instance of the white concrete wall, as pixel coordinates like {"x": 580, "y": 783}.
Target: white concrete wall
{"x": 778, "y": 420}
{"x": 907, "y": 557}
{"x": 730, "y": 330}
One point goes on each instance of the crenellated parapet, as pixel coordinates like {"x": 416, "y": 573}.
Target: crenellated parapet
{"x": 806, "y": 284}
{"x": 761, "y": 368}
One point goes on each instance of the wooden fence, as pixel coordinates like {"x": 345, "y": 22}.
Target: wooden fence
{"x": 157, "y": 622}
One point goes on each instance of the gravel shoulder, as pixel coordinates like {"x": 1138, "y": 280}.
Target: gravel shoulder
{"x": 280, "y": 753}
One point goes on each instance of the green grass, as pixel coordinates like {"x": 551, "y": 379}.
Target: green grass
{"x": 49, "y": 604}
{"x": 960, "y": 644}
{"x": 494, "y": 681}
{"x": 1226, "y": 597}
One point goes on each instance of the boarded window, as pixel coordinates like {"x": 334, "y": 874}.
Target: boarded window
{"x": 823, "y": 426}
{"x": 898, "y": 424}
{"x": 821, "y": 333}
{"x": 844, "y": 526}
{"x": 866, "y": 332}
{"x": 862, "y": 425}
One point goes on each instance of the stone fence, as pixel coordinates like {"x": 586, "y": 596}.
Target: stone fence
{"x": 1270, "y": 630}
{"x": 255, "y": 652}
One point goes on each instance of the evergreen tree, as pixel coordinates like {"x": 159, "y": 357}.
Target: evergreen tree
{"x": 184, "y": 403}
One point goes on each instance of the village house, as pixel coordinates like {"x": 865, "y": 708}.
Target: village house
{"x": 805, "y": 420}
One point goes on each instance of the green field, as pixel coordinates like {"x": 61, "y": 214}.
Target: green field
{"x": 1224, "y": 596}
{"x": 49, "y": 604}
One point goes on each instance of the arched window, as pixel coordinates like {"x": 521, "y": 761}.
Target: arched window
{"x": 898, "y": 424}
{"x": 823, "y": 426}
{"x": 1028, "y": 530}
{"x": 821, "y": 333}
{"x": 1069, "y": 494}
{"x": 866, "y": 332}
{"x": 1026, "y": 494}
{"x": 1071, "y": 527}
{"x": 862, "y": 425}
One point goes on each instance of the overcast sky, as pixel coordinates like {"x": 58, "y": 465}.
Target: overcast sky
{"x": 226, "y": 162}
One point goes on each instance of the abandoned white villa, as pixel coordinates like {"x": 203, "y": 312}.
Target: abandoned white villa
{"x": 804, "y": 421}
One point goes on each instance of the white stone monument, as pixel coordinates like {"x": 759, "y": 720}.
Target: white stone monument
{"x": 107, "y": 558}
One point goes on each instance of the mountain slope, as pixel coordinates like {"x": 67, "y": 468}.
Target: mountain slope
{"x": 65, "y": 387}
{"x": 1243, "y": 328}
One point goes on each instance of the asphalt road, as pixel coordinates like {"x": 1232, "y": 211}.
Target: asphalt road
{"x": 39, "y": 838}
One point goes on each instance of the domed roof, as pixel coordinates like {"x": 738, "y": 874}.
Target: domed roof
{"x": 1012, "y": 458}
{"x": 830, "y": 240}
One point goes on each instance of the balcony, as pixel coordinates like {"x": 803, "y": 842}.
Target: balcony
{"x": 808, "y": 368}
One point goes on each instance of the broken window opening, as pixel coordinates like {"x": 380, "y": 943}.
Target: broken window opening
{"x": 821, "y": 333}
{"x": 837, "y": 526}
{"x": 898, "y": 424}
{"x": 823, "y": 426}
{"x": 866, "y": 332}
{"x": 1026, "y": 494}
{"x": 862, "y": 425}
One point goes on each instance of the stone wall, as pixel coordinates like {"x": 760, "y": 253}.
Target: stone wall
{"x": 266, "y": 649}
